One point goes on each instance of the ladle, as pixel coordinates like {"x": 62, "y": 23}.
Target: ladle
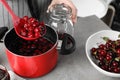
{"x": 16, "y": 20}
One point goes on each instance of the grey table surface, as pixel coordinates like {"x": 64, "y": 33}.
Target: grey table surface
{"x": 74, "y": 66}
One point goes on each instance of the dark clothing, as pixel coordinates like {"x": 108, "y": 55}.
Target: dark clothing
{"x": 36, "y": 8}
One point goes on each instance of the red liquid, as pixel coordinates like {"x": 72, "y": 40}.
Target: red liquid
{"x": 30, "y": 48}
{"x": 3, "y": 74}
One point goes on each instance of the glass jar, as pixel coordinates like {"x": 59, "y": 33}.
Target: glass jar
{"x": 60, "y": 19}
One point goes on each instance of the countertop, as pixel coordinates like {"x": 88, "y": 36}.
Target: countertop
{"x": 74, "y": 66}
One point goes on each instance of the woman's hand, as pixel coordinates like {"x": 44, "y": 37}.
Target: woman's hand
{"x": 70, "y": 4}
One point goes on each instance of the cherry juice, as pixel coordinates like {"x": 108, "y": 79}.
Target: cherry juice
{"x": 30, "y": 48}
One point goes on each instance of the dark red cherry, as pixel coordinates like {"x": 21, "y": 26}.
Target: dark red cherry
{"x": 102, "y": 52}
{"x": 105, "y": 67}
{"x": 25, "y": 18}
{"x": 35, "y": 24}
{"x": 102, "y": 46}
{"x": 31, "y": 29}
{"x": 116, "y": 70}
{"x": 23, "y": 32}
{"x": 118, "y": 51}
{"x": 108, "y": 57}
{"x": 37, "y": 34}
{"x": 37, "y": 29}
{"x": 31, "y": 20}
{"x": 30, "y": 35}
{"x": 93, "y": 49}
{"x": 115, "y": 64}
{"x": 101, "y": 58}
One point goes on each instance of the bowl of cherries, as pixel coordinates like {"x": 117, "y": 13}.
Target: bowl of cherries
{"x": 103, "y": 52}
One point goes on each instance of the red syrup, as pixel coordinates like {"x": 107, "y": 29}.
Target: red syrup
{"x": 30, "y": 48}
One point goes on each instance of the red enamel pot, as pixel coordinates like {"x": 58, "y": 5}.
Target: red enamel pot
{"x": 38, "y": 65}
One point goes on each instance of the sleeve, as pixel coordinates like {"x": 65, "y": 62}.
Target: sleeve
{"x": 38, "y": 9}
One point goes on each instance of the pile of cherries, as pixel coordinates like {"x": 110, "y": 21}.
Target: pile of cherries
{"x": 30, "y": 48}
{"x": 30, "y": 27}
{"x": 108, "y": 55}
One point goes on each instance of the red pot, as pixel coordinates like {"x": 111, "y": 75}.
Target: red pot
{"x": 33, "y": 66}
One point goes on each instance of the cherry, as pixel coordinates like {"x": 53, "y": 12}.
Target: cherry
{"x": 25, "y": 18}
{"x": 101, "y": 63}
{"x": 42, "y": 24}
{"x": 102, "y": 46}
{"x": 114, "y": 64}
{"x": 108, "y": 44}
{"x": 33, "y": 46}
{"x": 118, "y": 42}
{"x": 31, "y": 20}
{"x": 21, "y": 50}
{"x": 102, "y": 52}
{"x": 37, "y": 29}
{"x": 37, "y": 34}
{"x": 109, "y": 53}
{"x": 101, "y": 58}
{"x": 30, "y": 35}
{"x": 26, "y": 26}
{"x": 35, "y": 24}
{"x": 108, "y": 57}
{"x": 93, "y": 49}
{"x": 110, "y": 69}
{"x": 23, "y": 33}
{"x": 22, "y": 22}
{"x": 105, "y": 67}
{"x": 118, "y": 51}
{"x": 28, "y": 46}
{"x": 116, "y": 70}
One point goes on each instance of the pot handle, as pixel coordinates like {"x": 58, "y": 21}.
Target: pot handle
{"x": 65, "y": 50}
{"x": 3, "y": 30}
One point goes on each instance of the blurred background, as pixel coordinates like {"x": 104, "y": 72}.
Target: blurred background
{"x": 106, "y": 10}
